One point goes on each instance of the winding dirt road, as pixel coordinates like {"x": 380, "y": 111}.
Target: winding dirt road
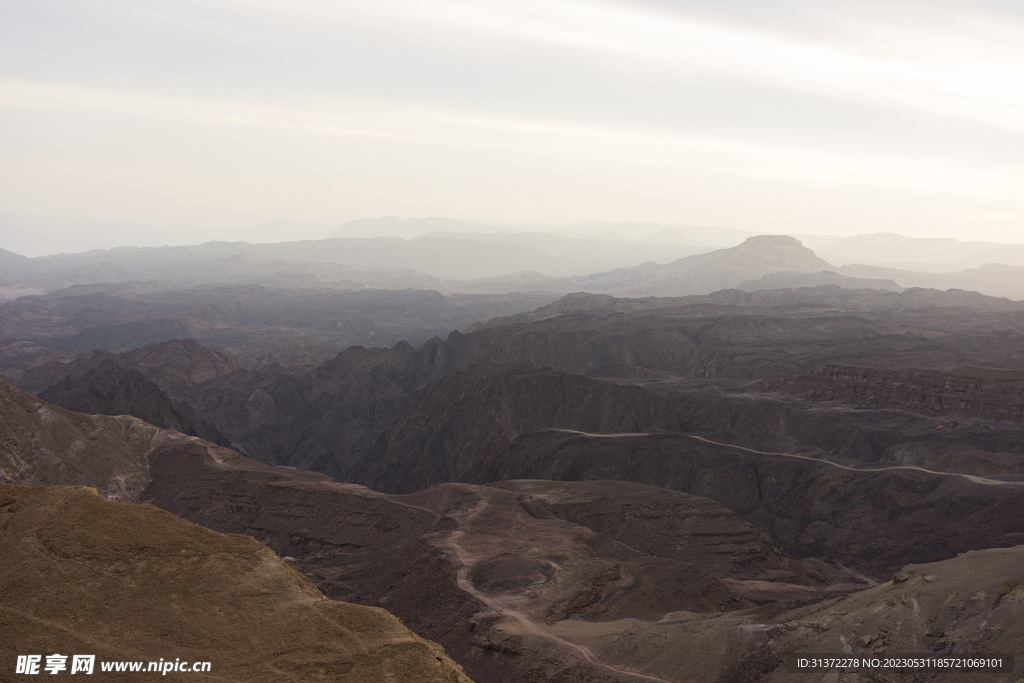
{"x": 524, "y": 624}
{"x": 969, "y": 477}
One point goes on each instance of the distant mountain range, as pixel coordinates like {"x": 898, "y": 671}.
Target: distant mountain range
{"x": 462, "y": 257}
{"x": 920, "y": 253}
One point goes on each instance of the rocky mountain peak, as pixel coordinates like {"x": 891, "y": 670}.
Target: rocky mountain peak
{"x": 762, "y": 254}
{"x": 181, "y": 360}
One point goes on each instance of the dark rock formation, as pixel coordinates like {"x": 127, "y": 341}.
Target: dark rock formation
{"x": 964, "y": 392}
{"x": 873, "y": 519}
{"x": 18, "y": 357}
{"x": 179, "y": 364}
{"x": 98, "y": 385}
{"x": 44, "y": 444}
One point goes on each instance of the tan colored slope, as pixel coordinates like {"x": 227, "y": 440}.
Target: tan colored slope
{"x": 83, "y": 575}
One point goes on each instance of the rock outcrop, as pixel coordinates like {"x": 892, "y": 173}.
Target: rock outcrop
{"x": 44, "y": 444}
{"x": 107, "y": 388}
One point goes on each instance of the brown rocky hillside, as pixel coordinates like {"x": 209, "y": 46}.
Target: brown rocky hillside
{"x": 83, "y": 575}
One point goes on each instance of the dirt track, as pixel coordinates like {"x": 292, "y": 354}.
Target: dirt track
{"x": 969, "y": 477}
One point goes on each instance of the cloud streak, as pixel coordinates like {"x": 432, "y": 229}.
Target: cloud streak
{"x": 880, "y": 111}
{"x": 546, "y": 139}
{"x": 933, "y": 70}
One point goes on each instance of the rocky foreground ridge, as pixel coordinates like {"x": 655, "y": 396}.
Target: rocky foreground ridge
{"x": 127, "y": 582}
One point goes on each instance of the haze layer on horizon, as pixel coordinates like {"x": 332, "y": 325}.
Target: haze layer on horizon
{"x": 179, "y": 122}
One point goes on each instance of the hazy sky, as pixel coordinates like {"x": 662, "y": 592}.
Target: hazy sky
{"x": 177, "y": 121}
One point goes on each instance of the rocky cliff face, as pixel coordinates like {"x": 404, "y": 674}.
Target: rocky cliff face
{"x": 462, "y": 564}
{"x": 451, "y": 426}
{"x": 44, "y": 444}
{"x": 964, "y": 392}
{"x": 367, "y": 413}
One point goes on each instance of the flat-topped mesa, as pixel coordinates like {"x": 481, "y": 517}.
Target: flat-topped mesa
{"x": 785, "y": 253}
{"x": 705, "y": 273}
{"x": 763, "y": 241}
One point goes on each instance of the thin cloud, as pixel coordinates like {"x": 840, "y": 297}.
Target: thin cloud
{"x": 890, "y": 112}
{"x": 934, "y": 70}
{"x": 418, "y": 124}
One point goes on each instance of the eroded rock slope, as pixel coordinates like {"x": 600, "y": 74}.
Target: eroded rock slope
{"x": 84, "y": 575}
